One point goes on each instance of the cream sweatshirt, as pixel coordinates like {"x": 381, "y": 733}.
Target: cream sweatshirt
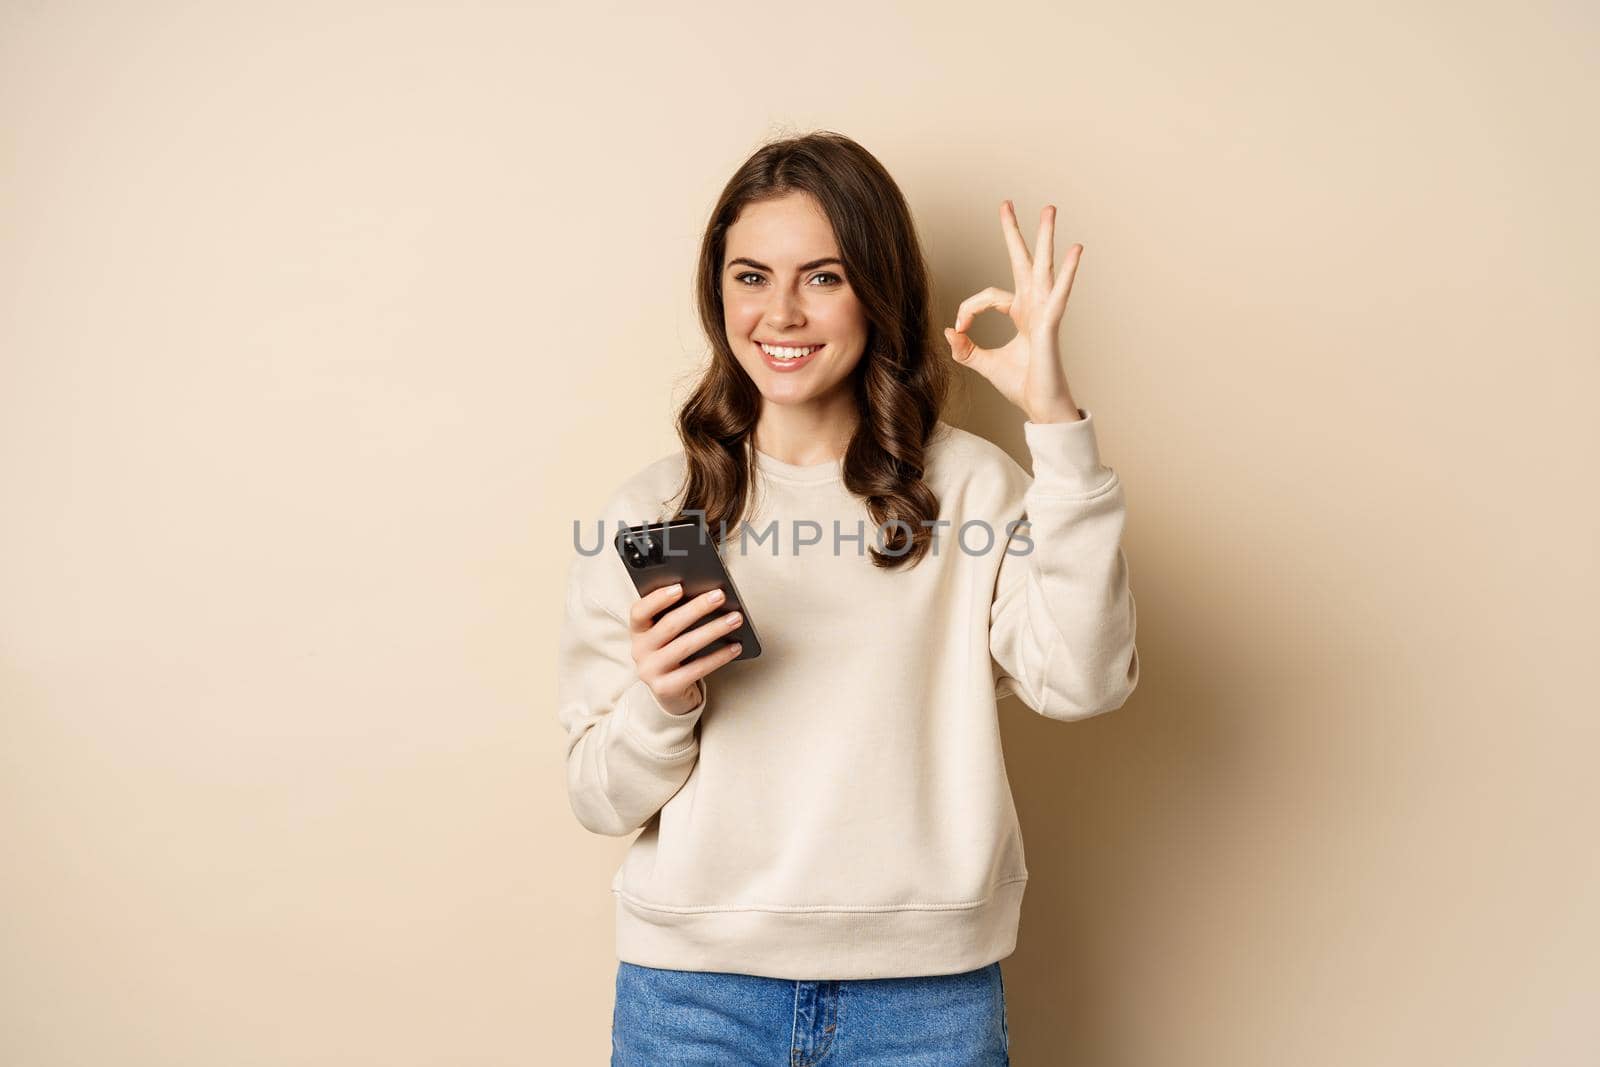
{"x": 838, "y": 807}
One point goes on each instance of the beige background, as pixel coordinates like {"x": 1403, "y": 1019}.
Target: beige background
{"x": 319, "y": 323}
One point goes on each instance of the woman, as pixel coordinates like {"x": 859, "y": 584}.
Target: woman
{"x": 830, "y": 866}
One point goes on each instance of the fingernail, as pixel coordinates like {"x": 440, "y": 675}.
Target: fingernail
{"x": 733, "y": 618}
{"x": 716, "y": 596}
{"x": 674, "y": 589}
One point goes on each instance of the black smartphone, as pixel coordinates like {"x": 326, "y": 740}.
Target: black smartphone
{"x": 659, "y": 554}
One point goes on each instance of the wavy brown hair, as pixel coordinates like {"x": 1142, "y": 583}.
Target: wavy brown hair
{"x": 900, "y": 385}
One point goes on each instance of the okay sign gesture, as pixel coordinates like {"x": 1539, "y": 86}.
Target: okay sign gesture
{"x": 1027, "y": 371}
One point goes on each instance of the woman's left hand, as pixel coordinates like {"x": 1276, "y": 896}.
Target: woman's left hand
{"x": 1027, "y": 370}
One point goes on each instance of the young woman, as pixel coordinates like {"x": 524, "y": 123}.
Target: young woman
{"x": 830, "y": 867}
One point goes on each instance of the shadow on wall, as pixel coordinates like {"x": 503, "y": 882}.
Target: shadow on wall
{"x": 1164, "y": 839}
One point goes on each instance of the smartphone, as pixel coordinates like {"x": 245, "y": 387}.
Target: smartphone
{"x": 659, "y": 554}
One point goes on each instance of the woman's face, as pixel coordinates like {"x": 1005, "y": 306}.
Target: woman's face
{"x": 783, "y": 284}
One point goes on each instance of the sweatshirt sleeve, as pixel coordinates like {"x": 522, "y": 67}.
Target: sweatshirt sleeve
{"x": 1062, "y": 621}
{"x": 626, "y": 755}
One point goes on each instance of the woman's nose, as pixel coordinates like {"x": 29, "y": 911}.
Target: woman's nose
{"x": 785, "y": 310}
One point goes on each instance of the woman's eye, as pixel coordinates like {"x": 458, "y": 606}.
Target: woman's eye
{"x": 751, "y": 274}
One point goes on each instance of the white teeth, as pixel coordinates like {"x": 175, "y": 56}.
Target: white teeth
{"x": 788, "y": 353}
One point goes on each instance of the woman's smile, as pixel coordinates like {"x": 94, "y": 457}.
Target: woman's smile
{"x": 788, "y": 358}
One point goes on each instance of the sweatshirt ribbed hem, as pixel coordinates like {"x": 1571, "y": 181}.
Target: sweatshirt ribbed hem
{"x": 832, "y": 945}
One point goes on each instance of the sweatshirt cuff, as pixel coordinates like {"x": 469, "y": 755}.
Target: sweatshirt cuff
{"x": 1066, "y": 456}
{"x": 653, "y": 728}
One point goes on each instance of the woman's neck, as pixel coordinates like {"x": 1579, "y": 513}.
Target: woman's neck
{"x": 804, "y": 437}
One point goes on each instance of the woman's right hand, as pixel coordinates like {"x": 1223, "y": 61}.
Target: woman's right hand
{"x": 659, "y": 647}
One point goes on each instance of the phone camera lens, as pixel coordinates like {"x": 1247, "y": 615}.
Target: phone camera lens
{"x": 639, "y": 548}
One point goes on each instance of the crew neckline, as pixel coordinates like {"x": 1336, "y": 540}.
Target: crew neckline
{"x": 826, "y": 471}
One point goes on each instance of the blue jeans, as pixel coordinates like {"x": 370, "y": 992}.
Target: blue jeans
{"x": 667, "y": 1018}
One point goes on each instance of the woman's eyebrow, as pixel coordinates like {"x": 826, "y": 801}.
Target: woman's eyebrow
{"x": 804, "y": 266}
